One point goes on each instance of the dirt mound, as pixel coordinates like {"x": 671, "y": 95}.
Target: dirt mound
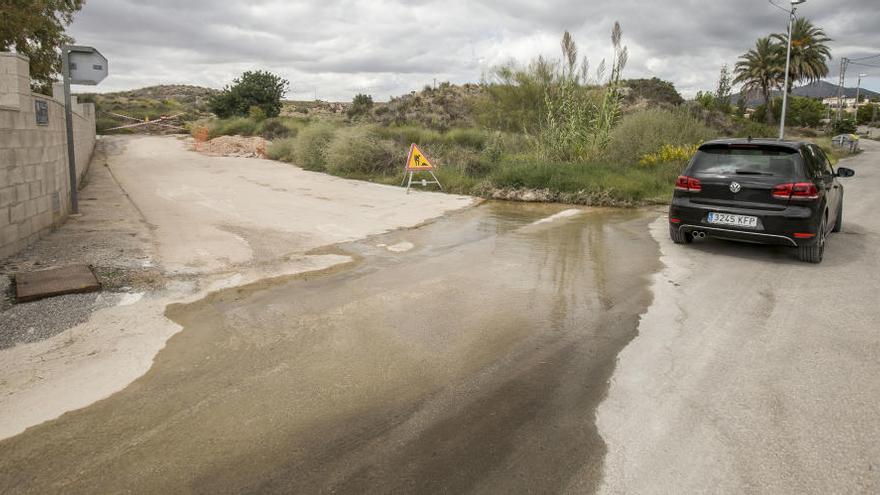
{"x": 237, "y": 146}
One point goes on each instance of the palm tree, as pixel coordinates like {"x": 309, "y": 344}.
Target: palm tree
{"x": 761, "y": 69}
{"x": 809, "y": 52}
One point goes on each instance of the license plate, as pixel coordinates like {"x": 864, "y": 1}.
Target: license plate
{"x": 734, "y": 220}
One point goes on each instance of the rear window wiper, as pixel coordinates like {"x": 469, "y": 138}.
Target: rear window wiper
{"x": 751, "y": 172}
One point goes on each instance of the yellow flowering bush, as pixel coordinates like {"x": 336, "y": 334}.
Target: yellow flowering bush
{"x": 669, "y": 153}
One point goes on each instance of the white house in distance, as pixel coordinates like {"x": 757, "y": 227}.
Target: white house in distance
{"x": 848, "y": 104}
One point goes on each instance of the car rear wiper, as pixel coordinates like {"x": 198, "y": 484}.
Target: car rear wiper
{"x": 751, "y": 172}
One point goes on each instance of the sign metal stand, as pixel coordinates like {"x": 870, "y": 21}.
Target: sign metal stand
{"x": 79, "y": 65}
{"x": 416, "y": 161}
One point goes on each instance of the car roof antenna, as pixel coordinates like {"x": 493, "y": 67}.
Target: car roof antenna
{"x": 750, "y": 139}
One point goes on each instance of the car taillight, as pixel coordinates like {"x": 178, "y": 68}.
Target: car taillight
{"x": 782, "y": 191}
{"x": 685, "y": 183}
{"x": 796, "y": 190}
{"x": 805, "y": 190}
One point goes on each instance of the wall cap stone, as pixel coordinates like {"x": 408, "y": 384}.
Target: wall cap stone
{"x": 15, "y": 55}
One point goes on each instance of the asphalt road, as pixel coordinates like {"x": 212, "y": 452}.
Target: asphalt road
{"x": 755, "y": 373}
{"x": 507, "y": 348}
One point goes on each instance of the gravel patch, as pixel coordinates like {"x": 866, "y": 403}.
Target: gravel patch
{"x": 5, "y": 293}
{"x": 38, "y": 320}
{"x": 110, "y": 235}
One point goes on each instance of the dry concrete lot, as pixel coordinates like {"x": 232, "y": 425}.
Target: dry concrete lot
{"x": 298, "y": 343}
{"x": 195, "y": 223}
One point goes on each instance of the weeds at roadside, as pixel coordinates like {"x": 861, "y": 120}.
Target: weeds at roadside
{"x": 547, "y": 131}
{"x": 310, "y": 147}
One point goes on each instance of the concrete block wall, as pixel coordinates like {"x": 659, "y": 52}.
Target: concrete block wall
{"x": 34, "y": 184}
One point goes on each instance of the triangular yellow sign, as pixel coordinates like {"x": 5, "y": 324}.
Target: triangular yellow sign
{"x": 417, "y": 160}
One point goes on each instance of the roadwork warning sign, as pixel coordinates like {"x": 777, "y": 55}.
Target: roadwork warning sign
{"x": 417, "y": 161}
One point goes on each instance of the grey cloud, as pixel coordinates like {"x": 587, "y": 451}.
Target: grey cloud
{"x": 390, "y": 47}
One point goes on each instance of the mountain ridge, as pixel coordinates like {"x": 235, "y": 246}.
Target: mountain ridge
{"x": 818, "y": 89}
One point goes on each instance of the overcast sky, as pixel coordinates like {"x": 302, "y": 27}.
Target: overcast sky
{"x": 388, "y": 47}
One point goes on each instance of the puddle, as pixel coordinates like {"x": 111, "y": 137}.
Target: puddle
{"x": 443, "y": 360}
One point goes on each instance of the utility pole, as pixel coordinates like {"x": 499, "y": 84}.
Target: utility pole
{"x": 858, "y": 90}
{"x": 843, "y": 63}
{"x": 68, "y": 122}
{"x": 791, "y": 15}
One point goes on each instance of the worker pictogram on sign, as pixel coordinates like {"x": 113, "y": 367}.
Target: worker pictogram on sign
{"x": 416, "y": 161}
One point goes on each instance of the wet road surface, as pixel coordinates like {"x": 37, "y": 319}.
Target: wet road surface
{"x": 468, "y": 355}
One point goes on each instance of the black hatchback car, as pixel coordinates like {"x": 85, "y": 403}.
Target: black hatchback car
{"x": 763, "y": 191}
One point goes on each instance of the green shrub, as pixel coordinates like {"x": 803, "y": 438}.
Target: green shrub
{"x": 257, "y": 114}
{"x": 104, "y": 123}
{"x": 654, "y": 90}
{"x": 237, "y": 126}
{"x": 868, "y": 114}
{"x": 454, "y": 182}
{"x": 844, "y": 127}
{"x": 470, "y": 138}
{"x": 646, "y": 132}
{"x": 754, "y": 128}
{"x": 282, "y": 150}
{"x": 479, "y": 167}
{"x": 409, "y": 134}
{"x": 514, "y": 98}
{"x": 359, "y": 150}
{"x": 627, "y": 186}
{"x": 360, "y": 105}
{"x": 495, "y": 147}
{"x": 805, "y": 112}
{"x": 310, "y": 148}
{"x": 253, "y": 89}
{"x": 278, "y": 128}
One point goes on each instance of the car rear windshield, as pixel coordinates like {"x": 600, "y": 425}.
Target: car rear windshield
{"x": 733, "y": 160}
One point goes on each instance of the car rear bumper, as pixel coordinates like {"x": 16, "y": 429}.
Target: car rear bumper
{"x": 777, "y": 227}
{"x": 739, "y": 235}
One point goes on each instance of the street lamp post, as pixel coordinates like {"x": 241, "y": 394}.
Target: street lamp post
{"x": 791, "y": 16}
{"x": 858, "y": 90}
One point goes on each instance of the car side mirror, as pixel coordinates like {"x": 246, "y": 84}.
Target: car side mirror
{"x": 845, "y": 172}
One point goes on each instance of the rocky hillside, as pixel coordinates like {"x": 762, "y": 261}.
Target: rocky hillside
{"x": 444, "y": 107}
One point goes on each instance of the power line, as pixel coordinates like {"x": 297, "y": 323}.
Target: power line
{"x": 865, "y": 58}
{"x": 779, "y": 7}
{"x": 865, "y": 65}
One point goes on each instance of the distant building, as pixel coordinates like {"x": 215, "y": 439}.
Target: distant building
{"x": 848, "y": 104}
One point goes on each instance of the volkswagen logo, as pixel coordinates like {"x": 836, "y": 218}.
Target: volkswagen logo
{"x": 735, "y": 187}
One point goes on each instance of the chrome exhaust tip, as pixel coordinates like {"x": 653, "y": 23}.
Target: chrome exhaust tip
{"x": 697, "y": 234}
